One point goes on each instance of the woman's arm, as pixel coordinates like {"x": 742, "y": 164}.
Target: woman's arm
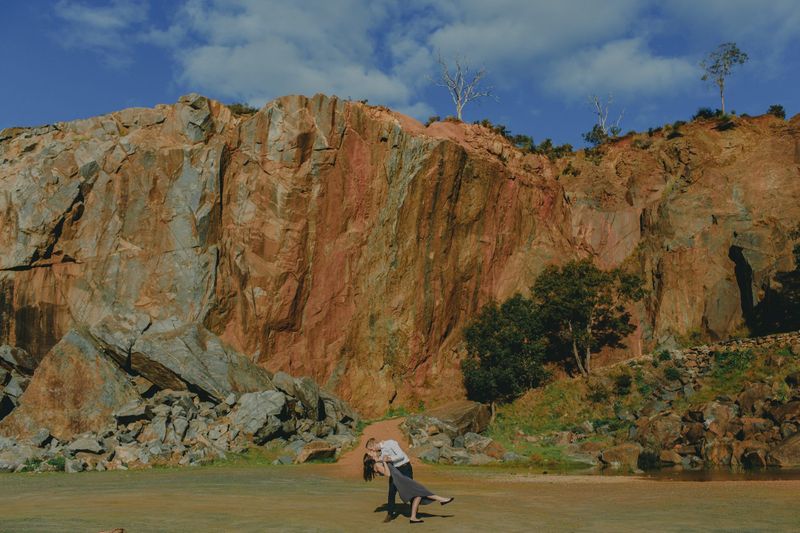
{"x": 381, "y": 469}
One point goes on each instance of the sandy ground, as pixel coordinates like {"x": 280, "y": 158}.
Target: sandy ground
{"x": 332, "y": 497}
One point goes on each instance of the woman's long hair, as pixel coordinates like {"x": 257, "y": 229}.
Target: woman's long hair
{"x": 369, "y": 467}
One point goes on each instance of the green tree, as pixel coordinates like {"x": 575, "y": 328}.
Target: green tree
{"x": 719, "y": 64}
{"x": 506, "y": 348}
{"x": 583, "y": 309}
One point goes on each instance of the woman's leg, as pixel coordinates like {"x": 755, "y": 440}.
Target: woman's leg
{"x": 414, "y": 507}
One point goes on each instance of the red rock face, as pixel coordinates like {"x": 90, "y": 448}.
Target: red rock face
{"x": 351, "y": 244}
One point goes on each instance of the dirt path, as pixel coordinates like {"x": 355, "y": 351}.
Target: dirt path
{"x": 349, "y": 464}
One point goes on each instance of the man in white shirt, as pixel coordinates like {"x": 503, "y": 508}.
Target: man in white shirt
{"x": 391, "y": 451}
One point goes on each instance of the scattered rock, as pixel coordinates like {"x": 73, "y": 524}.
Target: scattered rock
{"x": 87, "y": 443}
{"x": 316, "y": 450}
{"x": 787, "y": 453}
{"x": 624, "y": 456}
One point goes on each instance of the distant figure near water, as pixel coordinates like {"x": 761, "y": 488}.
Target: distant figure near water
{"x": 388, "y": 459}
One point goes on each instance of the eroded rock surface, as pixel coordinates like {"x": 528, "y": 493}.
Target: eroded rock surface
{"x": 351, "y": 244}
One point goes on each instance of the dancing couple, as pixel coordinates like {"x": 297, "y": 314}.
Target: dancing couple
{"x": 386, "y": 458}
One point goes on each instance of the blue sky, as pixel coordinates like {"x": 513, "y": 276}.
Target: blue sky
{"x": 70, "y": 59}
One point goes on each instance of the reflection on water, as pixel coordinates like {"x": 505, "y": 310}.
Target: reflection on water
{"x": 723, "y": 474}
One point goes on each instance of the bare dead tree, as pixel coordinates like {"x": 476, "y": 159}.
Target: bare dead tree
{"x": 462, "y": 86}
{"x": 601, "y": 110}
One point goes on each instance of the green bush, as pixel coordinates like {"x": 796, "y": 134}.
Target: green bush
{"x": 597, "y": 391}
{"x": 240, "y": 109}
{"x": 506, "y": 348}
{"x": 58, "y": 462}
{"x": 622, "y": 384}
{"x": 432, "y": 119}
{"x": 707, "y": 113}
{"x": 729, "y": 362}
{"x": 672, "y": 373}
{"x": 777, "y": 110}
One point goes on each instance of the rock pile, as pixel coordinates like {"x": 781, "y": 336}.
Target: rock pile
{"x": 180, "y": 428}
{"x": 756, "y": 427}
{"x": 82, "y": 411}
{"x": 451, "y": 435}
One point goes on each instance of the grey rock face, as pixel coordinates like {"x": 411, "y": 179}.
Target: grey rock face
{"x": 307, "y": 391}
{"x": 190, "y": 354}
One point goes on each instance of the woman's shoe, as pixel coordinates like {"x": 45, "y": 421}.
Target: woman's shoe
{"x": 416, "y": 521}
{"x": 448, "y": 500}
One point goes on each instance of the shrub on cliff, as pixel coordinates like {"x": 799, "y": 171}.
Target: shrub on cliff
{"x": 777, "y": 110}
{"x": 506, "y": 349}
{"x": 240, "y": 109}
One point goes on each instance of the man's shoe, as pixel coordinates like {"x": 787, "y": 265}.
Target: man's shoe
{"x": 389, "y": 518}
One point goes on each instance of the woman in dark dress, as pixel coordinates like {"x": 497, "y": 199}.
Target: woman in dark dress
{"x": 409, "y": 490}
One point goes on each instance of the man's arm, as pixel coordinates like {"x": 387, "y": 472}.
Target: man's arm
{"x": 390, "y": 451}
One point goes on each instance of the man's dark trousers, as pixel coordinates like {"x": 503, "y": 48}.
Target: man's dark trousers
{"x": 407, "y": 471}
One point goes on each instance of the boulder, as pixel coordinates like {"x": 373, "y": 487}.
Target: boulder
{"x": 669, "y": 457}
{"x": 284, "y": 383}
{"x": 749, "y": 453}
{"x": 132, "y": 411}
{"x": 307, "y": 391}
{"x": 475, "y": 443}
{"x": 787, "y": 453}
{"x": 40, "y": 438}
{"x": 75, "y": 390}
{"x": 337, "y": 409}
{"x": 784, "y": 412}
{"x": 86, "y": 443}
{"x": 316, "y": 450}
{"x": 419, "y": 428}
{"x": 718, "y": 452}
{"x": 752, "y": 399}
{"x": 466, "y": 416}
{"x": 753, "y": 426}
{"x": 717, "y": 416}
{"x": 625, "y": 456}
{"x": 256, "y": 414}
{"x": 73, "y": 466}
{"x": 428, "y": 453}
{"x": 453, "y": 456}
{"x": 660, "y": 432}
{"x": 512, "y": 457}
{"x": 174, "y": 358}
{"x": 439, "y": 440}
{"x": 480, "y": 459}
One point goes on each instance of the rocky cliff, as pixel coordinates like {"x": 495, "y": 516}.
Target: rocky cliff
{"x": 351, "y": 244}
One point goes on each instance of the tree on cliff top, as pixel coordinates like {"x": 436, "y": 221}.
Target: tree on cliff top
{"x": 462, "y": 86}
{"x": 719, "y": 64}
{"x": 583, "y": 309}
{"x": 506, "y": 349}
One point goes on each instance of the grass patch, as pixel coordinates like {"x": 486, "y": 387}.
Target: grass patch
{"x": 58, "y": 462}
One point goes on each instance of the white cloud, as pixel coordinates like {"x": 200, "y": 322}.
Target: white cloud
{"x": 108, "y": 30}
{"x": 513, "y": 33}
{"x": 621, "y": 67}
{"x": 256, "y": 50}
